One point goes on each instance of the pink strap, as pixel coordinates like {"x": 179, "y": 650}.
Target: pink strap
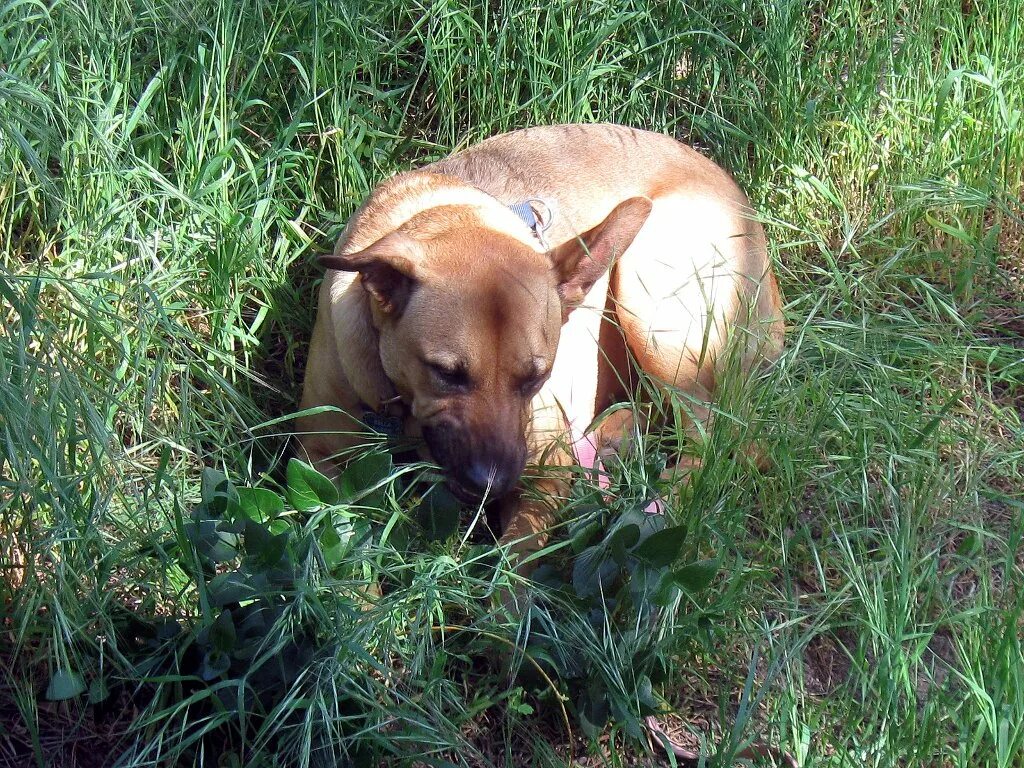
{"x": 586, "y": 455}
{"x": 585, "y": 449}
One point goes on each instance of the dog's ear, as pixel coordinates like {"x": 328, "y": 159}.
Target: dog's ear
{"x": 580, "y": 262}
{"x": 386, "y": 268}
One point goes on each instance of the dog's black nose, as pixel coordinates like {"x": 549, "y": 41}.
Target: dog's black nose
{"x": 486, "y": 477}
{"x": 476, "y": 468}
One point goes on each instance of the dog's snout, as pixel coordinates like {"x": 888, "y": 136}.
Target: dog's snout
{"x": 488, "y": 478}
{"x": 489, "y": 475}
{"x": 482, "y": 474}
{"x": 477, "y": 467}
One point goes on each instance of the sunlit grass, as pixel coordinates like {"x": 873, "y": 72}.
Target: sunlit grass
{"x": 167, "y": 172}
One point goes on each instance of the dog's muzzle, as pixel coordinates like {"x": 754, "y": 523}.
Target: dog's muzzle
{"x": 476, "y": 468}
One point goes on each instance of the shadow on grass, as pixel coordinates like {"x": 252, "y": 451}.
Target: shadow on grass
{"x": 280, "y": 360}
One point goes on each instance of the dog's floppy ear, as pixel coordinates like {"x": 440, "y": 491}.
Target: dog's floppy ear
{"x": 580, "y": 262}
{"x": 386, "y": 268}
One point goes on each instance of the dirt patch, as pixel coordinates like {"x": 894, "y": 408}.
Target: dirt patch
{"x": 826, "y": 662}
{"x": 64, "y": 734}
{"x": 938, "y": 658}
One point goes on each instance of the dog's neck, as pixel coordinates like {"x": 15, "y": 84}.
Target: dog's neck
{"x": 351, "y": 310}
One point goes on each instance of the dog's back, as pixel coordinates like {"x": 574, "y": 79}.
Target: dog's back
{"x": 695, "y": 276}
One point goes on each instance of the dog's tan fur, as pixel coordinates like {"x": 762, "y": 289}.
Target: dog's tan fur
{"x": 435, "y": 268}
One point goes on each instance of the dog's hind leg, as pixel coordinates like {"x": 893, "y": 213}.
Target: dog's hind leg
{"x": 698, "y": 305}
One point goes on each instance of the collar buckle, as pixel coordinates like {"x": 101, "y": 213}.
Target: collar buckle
{"x": 536, "y": 214}
{"x": 383, "y": 424}
{"x": 388, "y": 419}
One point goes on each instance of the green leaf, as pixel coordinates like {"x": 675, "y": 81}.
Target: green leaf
{"x": 98, "y": 691}
{"x": 64, "y": 685}
{"x": 364, "y": 473}
{"x": 260, "y": 504}
{"x": 594, "y": 572}
{"x": 222, "y": 633}
{"x": 210, "y": 480}
{"x": 625, "y": 717}
{"x": 659, "y": 670}
{"x": 253, "y": 623}
{"x": 397, "y": 533}
{"x": 585, "y": 534}
{"x": 592, "y": 706}
{"x": 215, "y": 663}
{"x": 211, "y": 543}
{"x": 264, "y": 550}
{"x": 280, "y": 525}
{"x": 224, "y": 548}
{"x": 662, "y": 548}
{"x": 943, "y": 94}
{"x": 623, "y": 539}
{"x": 232, "y": 587}
{"x": 439, "y": 514}
{"x": 666, "y": 590}
{"x": 336, "y": 541}
{"x": 523, "y": 708}
{"x": 696, "y": 577}
{"x": 651, "y": 586}
{"x": 971, "y": 546}
{"x": 307, "y": 488}
{"x": 231, "y": 526}
{"x": 648, "y": 524}
{"x": 516, "y": 703}
{"x": 167, "y": 629}
{"x": 645, "y": 696}
{"x": 216, "y": 492}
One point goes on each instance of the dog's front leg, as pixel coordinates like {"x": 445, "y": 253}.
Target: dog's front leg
{"x": 528, "y": 514}
{"x": 525, "y": 524}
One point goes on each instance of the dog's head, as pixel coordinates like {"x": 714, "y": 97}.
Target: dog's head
{"x": 469, "y": 316}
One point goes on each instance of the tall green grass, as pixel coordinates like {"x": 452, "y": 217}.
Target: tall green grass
{"x": 167, "y": 171}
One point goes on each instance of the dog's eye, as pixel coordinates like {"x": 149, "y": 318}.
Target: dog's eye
{"x": 449, "y": 377}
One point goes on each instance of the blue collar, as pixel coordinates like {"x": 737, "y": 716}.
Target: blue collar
{"x": 526, "y": 211}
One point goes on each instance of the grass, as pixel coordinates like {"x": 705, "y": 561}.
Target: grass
{"x": 168, "y": 170}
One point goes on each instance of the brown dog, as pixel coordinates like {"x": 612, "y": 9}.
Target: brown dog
{"x": 494, "y": 300}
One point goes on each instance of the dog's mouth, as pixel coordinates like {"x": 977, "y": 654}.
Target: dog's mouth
{"x": 461, "y": 491}
{"x": 465, "y": 494}
{"x": 496, "y": 487}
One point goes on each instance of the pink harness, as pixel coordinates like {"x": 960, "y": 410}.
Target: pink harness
{"x": 585, "y": 449}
